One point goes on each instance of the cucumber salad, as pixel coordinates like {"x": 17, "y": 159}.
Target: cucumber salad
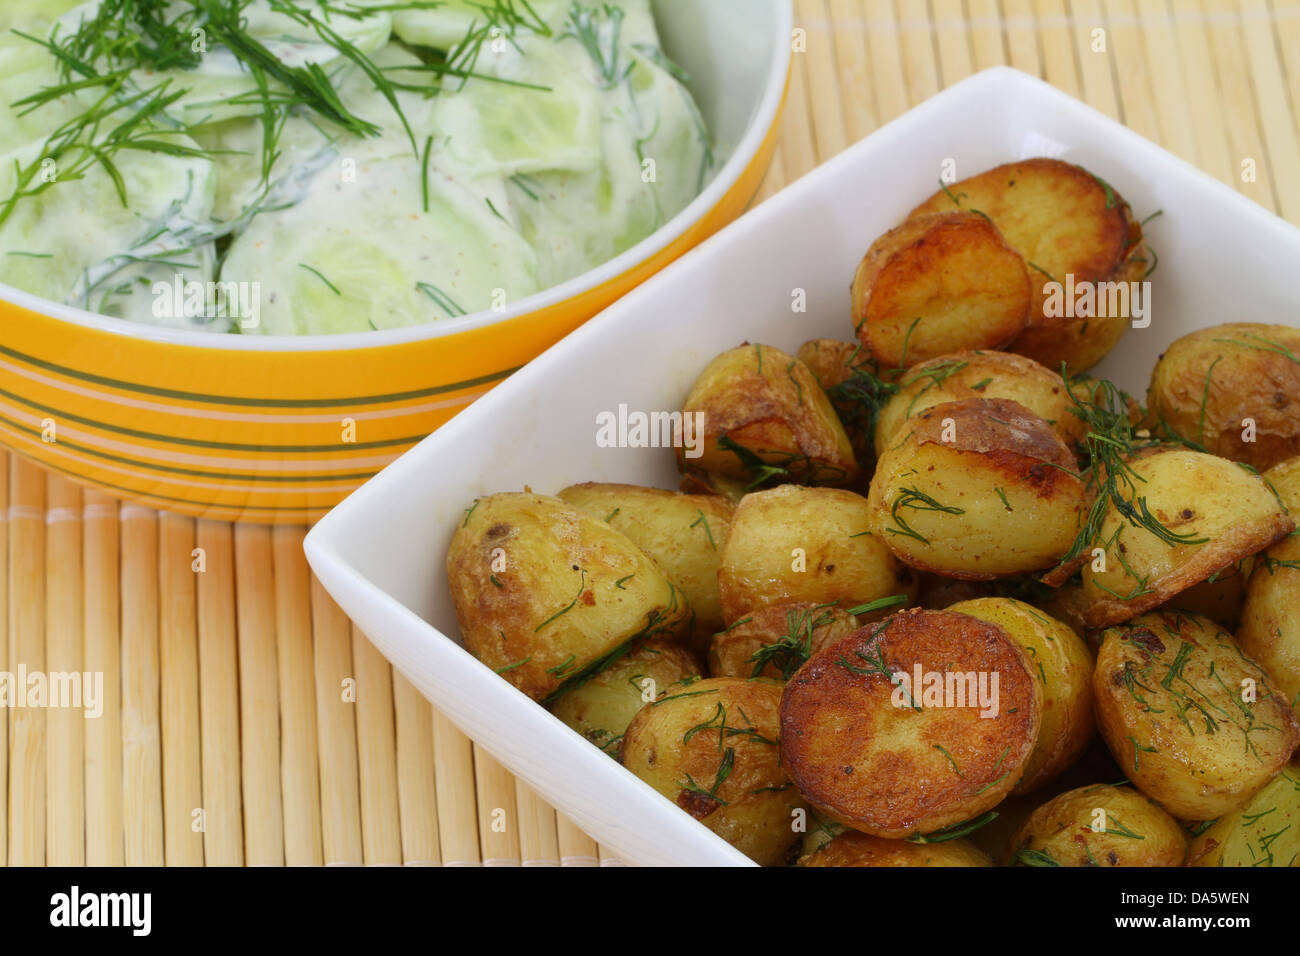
{"x": 300, "y": 167}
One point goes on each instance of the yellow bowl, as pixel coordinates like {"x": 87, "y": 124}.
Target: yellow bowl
{"x": 280, "y": 429}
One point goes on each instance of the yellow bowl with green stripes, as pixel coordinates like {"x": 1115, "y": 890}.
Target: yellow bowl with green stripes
{"x": 280, "y": 429}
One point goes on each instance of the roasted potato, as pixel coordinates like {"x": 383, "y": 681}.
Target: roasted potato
{"x": 1074, "y": 231}
{"x": 1264, "y": 832}
{"x": 1270, "y": 618}
{"x": 1062, "y": 664}
{"x": 963, "y": 375}
{"x": 911, "y": 725}
{"x": 832, "y": 361}
{"x": 765, "y": 415}
{"x": 861, "y": 849}
{"x": 683, "y": 533}
{"x": 793, "y": 544}
{"x": 1233, "y": 389}
{"x": 855, "y": 385}
{"x": 696, "y": 481}
{"x": 936, "y": 284}
{"x": 547, "y": 595}
{"x": 777, "y": 640}
{"x": 601, "y": 708}
{"x": 1100, "y": 825}
{"x": 711, "y": 748}
{"x": 977, "y": 489}
{"x": 1194, "y": 722}
{"x": 1208, "y": 513}
{"x": 1219, "y": 597}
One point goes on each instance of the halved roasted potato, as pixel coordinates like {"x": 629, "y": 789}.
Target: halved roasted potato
{"x": 763, "y": 415}
{"x": 1075, "y": 233}
{"x": 862, "y": 849}
{"x": 1100, "y": 825}
{"x": 1194, "y": 722}
{"x": 1233, "y": 389}
{"x": 922, "y": 721}
{"x": 547, "y": 595}
{"x": 683, "y": 533}
{"x": 1264, "y": 832}
{"x": 1062, "y": 664}
{"x": 711, "y": 747}
{"x": 793, "y": 544}
{"x": 1270, "y": 618}
{"x": 777, "y": 640}
{"x": 602, "y": 707}
{"x": 936, "y": 284}
{"x": 977, "y": 489}
{"x": 1191, "y": 515}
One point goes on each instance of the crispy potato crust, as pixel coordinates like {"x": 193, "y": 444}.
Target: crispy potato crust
{"x": 1193, "y": 721}
{"x": 936, "y": 284}
{"x": 862, "y": 849}
{"x": 1100, "y": 825}
{"x": 791, "y": 632}
{"x": 887, "y": 758}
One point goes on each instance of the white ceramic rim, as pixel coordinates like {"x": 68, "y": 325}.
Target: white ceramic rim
{"x": 756, "y": 132}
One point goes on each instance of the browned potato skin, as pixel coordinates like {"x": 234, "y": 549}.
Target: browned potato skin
{"x": 832, "y": 361}
{"x": 511, "y": 619}
{"x": 983, "y": 374}
{"x": 1246, "y": 378}
{"x": 755, "y": 804}
{"x": 1270, "y": 619}
{"x": 1197, "y": 770}
{"x": 732, "y": 650}
{"x": 998, "y": 444}
{"x": 767, "y": 401}
{"x": 1063, "y": 665}
{"x": 844, "y": 561}
{"x": 861, "y": 849}
{"x": 955, "y": 272}
{"x": 1062, "y": 220}
{"x": 1219, "y": 597}
{"x": 1062, "y": 829}
{"x": 683, "y": 533}
{"x": 877, "y": 767}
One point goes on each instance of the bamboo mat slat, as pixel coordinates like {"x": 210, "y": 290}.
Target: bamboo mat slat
{"x": 243, "y": 719}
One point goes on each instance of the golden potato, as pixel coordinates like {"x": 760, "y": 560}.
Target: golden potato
{"x": 547, "y": 596}
{"x": 1203, "y": 514}
{"x": 1062, "y": 664}
{"x": 832, "y": 361}
{"x": 777, "y": 640}
{"x": 1100, "y": 825}
{"x": 1193, "y": 721}
{"x": 711, "y": 747}
{"x": 765, "y": 416}
{"x": 936, "y": 284}
{"x": 963, "y": 375}
{"x": 602, "y": 707}
{"x": 922, "y": 721}
{"x": 792, "y": 544}
{"x": 1233, "y": 389}
{"x": 977, "y": 489}
{"x": 1264, "y": 832}
{"x": 683, "y": 533}
{"x": 1074, "y": 231}
{"x": 861, "y": 849}
{"x": 856, "y": 388}
{"x": 1219, "y": 597}
{"x": 1270, "y": 618}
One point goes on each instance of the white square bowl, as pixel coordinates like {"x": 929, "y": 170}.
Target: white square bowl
{"x": 381, "y": 552}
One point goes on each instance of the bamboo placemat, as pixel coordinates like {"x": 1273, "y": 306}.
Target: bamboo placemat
{"x": 246, "y": 721}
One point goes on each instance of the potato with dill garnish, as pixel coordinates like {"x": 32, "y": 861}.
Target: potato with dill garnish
{"x": 1060, "y": 661}
{"x": 1193, "y": 721}
{"x": 796, "y": 544}
{"x": 862, "y": 849}
{"x": 1182, "y": 517}
{"x": 1270, "y": 619}
{"x": 547, "y": 595}
{"x": 765, "y": 417}
{"x": 1100, "y": 825}
{"x": 711, "y": 747}
{"x": 683, "y": 533}
{"x": 602, "y": 707}
{"x": 775, "y": 641}
{"x": 1065, "y": 222}
{"x": 1233, "y": 390}
{"x": 936, "y": 284}
{"x": 853, "y": 382}
{"x": 1264, "y": 832}
{"x": 977, "y": 489}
